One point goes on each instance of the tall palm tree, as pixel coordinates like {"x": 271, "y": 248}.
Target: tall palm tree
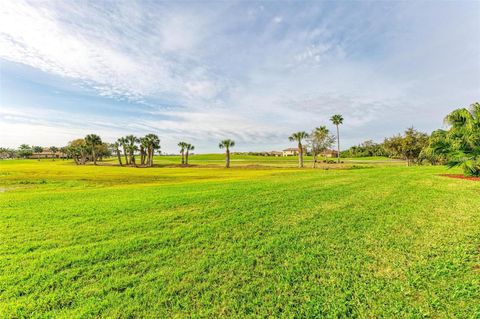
{"x": 299, "y": 137}
{"x": 226, "y": 144}
{"x": 188, "y": 148}
{"x": 92, "y": 140}
{"x": 123, "y": 142}
{"x": 131, "y": 145}
{"x": 153, "y": 144}
{"x": 144, "y": 144}
{"x": 337, "y": 119}
{"x": 116, "y": 148}
{"x": 182, "y": 146}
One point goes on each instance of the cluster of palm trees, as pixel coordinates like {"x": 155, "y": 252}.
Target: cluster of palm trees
{"x": 319, "y": 140}
{"x": 83, "y": 149}
{"x": 131, "y": 144}
{"x": 185, "y": 149}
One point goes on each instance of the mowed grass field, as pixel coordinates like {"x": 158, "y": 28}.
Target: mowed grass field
{"x": 263, "y": 239}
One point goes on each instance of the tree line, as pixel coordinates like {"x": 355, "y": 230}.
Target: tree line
{"x": 459, "y": 145}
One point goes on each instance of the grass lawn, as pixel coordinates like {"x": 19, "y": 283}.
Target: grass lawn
{"x": 370, "y": 240}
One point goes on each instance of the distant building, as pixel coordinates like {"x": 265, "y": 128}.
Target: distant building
{"x": 46, "y": 153}
{"x": 290, "y": 152}
{"x": 329, "y": 153}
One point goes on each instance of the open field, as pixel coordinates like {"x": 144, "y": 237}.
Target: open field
{"x": 263, "y": 239}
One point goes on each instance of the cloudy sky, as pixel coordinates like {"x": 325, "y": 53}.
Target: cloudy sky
{"x": 250, "y": 71}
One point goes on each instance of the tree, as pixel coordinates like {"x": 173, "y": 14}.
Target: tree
{"x": 188, "y": 148}
{"x": 407, "y": 147}
{"x": 182, "y": 146}
{"x": 7, "y": 153}
{"x": 92, "y": 141}
{"x": 226, "y": 144}
{"x": 131, "y": 146}
{"x": 143, "y": 150}
{"x": 54, "y": 150}
{"x": 103, "y": 150}
{"x": 77, "y": 149}
{"x": 436, "y": 152}
{"x": 461, "y": 143}
{"x": 320, "y": 140}
{"x": 24, "y": 151}
{"x": 116, "y": 147}
{"x": 37, "y": 150}
{"x": 123, "y": 142}
{"x": 365, "y": 149}
{"x": 337, "y": 119}
{"x": 152, "y": 145}
{"x": 299, "y": 137}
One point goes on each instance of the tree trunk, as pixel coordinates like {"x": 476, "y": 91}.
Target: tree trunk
{"x": 94, "y": 156}
{"x": 126, "y": 156}
{"x": 300, "y": 155}
{"x": 314, "y": 160}
{"x": 151, "y": 157}
{"x": 132, "y": 159}
{"x": 186, "y": 158}
{"x": 183, "y": 157}
{"x": 119, "y": 157}
{"x": 227, "y": 159}
{"x": 338, "y": 145}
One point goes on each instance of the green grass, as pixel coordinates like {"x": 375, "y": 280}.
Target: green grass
{"x": 262, "y": 241}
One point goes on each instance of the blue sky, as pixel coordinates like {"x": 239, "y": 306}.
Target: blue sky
{"x": 250, "y": 71}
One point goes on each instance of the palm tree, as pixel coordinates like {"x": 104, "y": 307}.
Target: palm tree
{"x": 131, "y": 146}
{"x": 123, "y": 142}
{"x": 144, "y": 142}
{"x": 92, "y": 140}
{"x": 38, "y": 150}
{"x": 188, "y": 148}
{"x": 337, "y": 119}
{"x": 461, "y": 143}
{"x": 116, "y": 147}
{"x": 299, "y": 137}
{"x": 226, "y": 144}
{"x": 153, "y": 143}
{"x": 182, "y": 146}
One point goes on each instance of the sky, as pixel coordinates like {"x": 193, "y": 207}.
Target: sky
{"x": 254, "y": 72}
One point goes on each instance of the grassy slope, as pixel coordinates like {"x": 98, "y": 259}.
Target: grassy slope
{"x": 119, "y": 242}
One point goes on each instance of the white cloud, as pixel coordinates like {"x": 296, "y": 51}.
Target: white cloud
{"x": 242, "y": 70}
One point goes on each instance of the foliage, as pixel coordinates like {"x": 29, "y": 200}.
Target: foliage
{"x": 93, "y": 141}
{"x": 460, "y": 145}
{"x": 299, "y": 137}
{"x": 365, "y": 149}
{"x": 226, "y": 144}
{"x": 408, "y": 147}
{"x": 6, "y": 152}
{"x": 319, "y": 141}
{"x": 24, "y": 151}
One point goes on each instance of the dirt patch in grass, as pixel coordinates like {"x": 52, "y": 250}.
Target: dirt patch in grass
{"x": 470, "y": 178}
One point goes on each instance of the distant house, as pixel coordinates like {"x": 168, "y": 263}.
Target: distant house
{"x": 46, "y": 153}
{"x": 329, "y": 153}
{"x": 290, "y": 152}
